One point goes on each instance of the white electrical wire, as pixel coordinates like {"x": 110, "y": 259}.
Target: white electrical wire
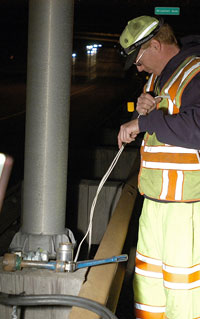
{"x": 102, "y": 182}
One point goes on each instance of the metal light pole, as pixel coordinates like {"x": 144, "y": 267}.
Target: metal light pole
{"x": 47, "y": 126}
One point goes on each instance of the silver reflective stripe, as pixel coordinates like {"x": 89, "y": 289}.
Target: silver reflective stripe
{"x": 177, "y": 75}
{"x": 149, "y": 308}
{"x": 149, "y": 260}
{"x": 189, "y": 71}
{"x": 181, "y": 270}
{"x": 182, "y": 286}
{"x": 169, "y": 149}
{"x": 145, "y": 32}
{"x": 146, "y": 273}
{"x": 149, "y": 83}
{"x": 179, "y": 186}
{"x": 165, "y": 184}
{"x": 170, "y": 107}
{"x": 176, "y": 166}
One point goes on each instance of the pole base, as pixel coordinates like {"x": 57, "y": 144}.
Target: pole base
{"x": 40, "y": 247}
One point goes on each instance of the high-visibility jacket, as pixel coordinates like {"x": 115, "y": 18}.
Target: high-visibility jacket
{"x": 168, "y": 172}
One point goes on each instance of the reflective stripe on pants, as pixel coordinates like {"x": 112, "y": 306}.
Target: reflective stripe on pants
{"x": 167, "y": 272}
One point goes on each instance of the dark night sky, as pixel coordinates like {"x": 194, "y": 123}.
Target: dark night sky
{"x": 102, "y": 15}
{"x": 113, "y": 16}
{"x": 109, "y": 16}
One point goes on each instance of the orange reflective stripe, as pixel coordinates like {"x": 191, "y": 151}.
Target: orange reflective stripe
{"x": 150, "y": 86}
{"x": 179, "y": 158}
{"x": 146, "y": 266}
{"x": 180, "y": 278}
{"x": 173, "y": 89}
{"x": 142, "y": 149}
{"x": 175, "y": 109}
{"x": 197, "y": 71}
{"x": 172, "y": 174}
{"x": 141, "y": 314}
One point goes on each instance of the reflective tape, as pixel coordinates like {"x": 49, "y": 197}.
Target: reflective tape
{"x": 181, "y": 286}
{"x": 170, "y": 107}
{"x": 149, "y": 308}
{"x": 179, "y": 166}
{"x": 151, "y": 274}
{"x": 173, "y": 277}
{"x": 149, "y": 312}
{"x": 186, "y": 73}
{"x": 181, "y": 270}
{"x": 179, "y": 186}
{"x": 177, "y": 75}
{"x": 145, "y": 32}
{"x": 181, "y": 278}
{"x": 149, "y": 260}
{"x": 171, "y": 158}
{"x": 149, "y": 83}
{"x": 148, "y": 267}
{"x": 165, "y": 185}
{"x": 169, "y": 149}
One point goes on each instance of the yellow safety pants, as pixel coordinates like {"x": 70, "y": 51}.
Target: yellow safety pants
{"x": 167, "y": 270}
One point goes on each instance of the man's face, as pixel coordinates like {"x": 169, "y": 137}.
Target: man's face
{"x": 148, "y": 60}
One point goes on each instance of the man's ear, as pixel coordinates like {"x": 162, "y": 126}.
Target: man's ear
{"x": 155, "y": 44}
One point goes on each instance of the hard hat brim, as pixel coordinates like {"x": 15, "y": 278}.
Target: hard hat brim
{"x": 131, "y": 58}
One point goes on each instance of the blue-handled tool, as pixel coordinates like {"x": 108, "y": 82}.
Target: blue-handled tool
{"x": 12, "y": 262}
{"x": 93, "y": 262}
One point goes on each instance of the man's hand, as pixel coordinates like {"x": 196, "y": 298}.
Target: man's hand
{"x": 146, "y": 103}
{"x": 128, "y": 132}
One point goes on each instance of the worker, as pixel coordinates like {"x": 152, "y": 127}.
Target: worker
{"x": 167, "y": 269}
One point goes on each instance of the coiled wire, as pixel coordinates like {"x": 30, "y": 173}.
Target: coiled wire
{"x": 56, "y": 300}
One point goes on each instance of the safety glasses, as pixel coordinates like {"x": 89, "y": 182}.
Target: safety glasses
{"x": 137, "y": 62}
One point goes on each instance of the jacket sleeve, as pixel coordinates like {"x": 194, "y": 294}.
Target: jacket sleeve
{"x": 182, "y": 129}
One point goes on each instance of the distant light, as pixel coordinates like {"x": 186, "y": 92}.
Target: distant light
{"x": 73, "y": 55}
{"x": 90, "y": 52}
{"x": 93, "y": 47}
{"x": 89, "y": 47}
